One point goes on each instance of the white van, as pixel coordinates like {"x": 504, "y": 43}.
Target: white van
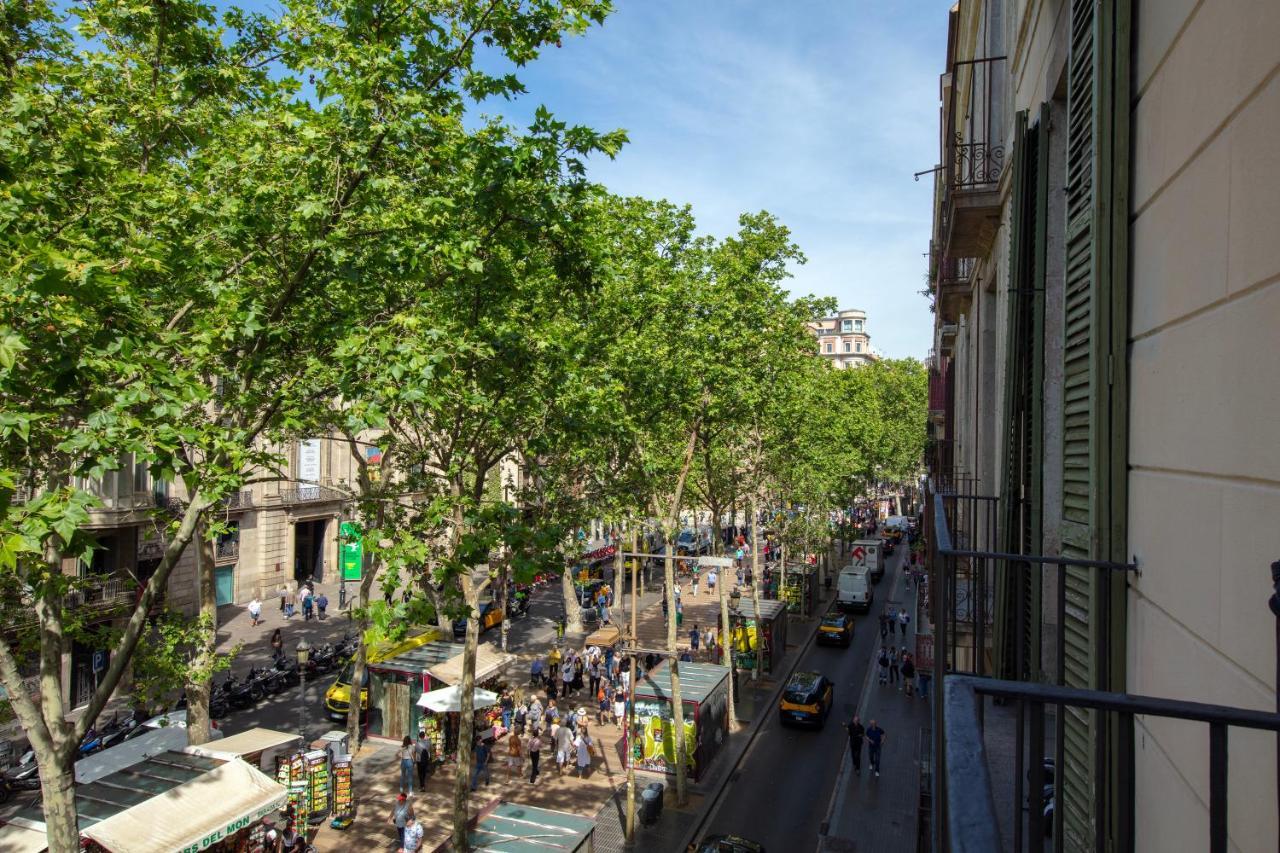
{"x": 866, "y": 553}
{"x": 853, "y": 589}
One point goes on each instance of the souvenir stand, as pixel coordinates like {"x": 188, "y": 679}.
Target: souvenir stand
{"x": 491, "y": 664}
{"x": 704, "y": 693}
{"x": 147, "y": 808}
{"x": 395, "y": 685}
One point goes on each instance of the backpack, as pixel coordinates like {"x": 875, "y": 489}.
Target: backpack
{"x": 884, "y": 659}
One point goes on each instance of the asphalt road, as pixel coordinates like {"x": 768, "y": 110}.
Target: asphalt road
{"x": 779, "y": 794}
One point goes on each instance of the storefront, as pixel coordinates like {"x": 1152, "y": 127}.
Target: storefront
{"x": 395, "y": 685}
{"x": 800, "y": 588}
{"x": 148, "y": 808}
{"x": 593, "y": 564}
{"x": 511, "y": 826}
{"x": 704, "y": 694}
{"x": 769, "y": 627}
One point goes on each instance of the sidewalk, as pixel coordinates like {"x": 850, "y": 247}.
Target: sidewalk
{"x": 870, "y": 813}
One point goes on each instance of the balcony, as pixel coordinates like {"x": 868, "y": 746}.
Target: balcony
{"x": 92, "y": 600}
{"x": 237, "y": 501}
{"x": 226, "y": 550}
{"x": 955, "y": 287}
{"x": 975, "y": 157}
{"x": 1051, "y": 742}
{"x": 310, "y": 495}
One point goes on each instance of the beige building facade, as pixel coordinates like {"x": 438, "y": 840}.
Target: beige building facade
{"x": 1106, "y": 278}
{"x": 844, "y": 340}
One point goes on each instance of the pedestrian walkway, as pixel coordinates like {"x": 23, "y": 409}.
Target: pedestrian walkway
{"x": 870, "y": 813}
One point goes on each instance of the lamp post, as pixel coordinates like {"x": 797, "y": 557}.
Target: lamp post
{"x": 304, "y": 655}
{"x": 735, "y": 616}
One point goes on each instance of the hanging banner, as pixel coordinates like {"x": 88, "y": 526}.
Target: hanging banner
{"x": 309, "y": 460}
{"x": 350, "y": 550}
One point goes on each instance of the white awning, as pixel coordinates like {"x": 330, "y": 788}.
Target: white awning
{"x": 21, "y": 839}
{"x": 450, "y": 699}
{"x": 489, "y": 662}
{"x": 193, "y": 815}
{"x": 244, "y": 743}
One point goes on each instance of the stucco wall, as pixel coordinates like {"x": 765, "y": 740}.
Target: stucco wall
{"x": 1204, "y": 401}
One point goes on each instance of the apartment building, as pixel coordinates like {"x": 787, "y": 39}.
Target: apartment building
{"x": 844, "y": 339}
{"x": 1107, "y": 284}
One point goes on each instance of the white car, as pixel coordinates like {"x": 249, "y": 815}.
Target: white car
{"x": 178, "y": 719}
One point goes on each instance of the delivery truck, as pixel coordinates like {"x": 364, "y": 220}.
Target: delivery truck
{"x": 866, "y": 553}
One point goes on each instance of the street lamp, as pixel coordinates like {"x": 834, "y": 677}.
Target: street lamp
{"x": 304, "y": 655}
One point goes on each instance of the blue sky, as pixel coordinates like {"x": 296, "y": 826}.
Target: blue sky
{"x": 818, "y": 112}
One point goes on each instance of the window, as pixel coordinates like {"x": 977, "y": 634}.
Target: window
{"x": 830, "y": 349}
{"x": 857, "y": 325}
{"x": 846, "y": 325}
{"x": 847, "y": 346}
{"x": 859, "y": 346}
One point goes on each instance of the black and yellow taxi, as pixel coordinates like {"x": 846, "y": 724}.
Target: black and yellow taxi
{"x": 835, "y": 629}
{"x": 807, "y": 699}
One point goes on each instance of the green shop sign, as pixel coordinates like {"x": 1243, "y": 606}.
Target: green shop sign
{"x": 351, "y": 551}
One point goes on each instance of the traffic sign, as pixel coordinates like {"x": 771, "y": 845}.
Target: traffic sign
{"x": 99, "y": 660}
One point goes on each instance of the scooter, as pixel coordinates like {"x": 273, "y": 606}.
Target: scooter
{"x": 24, "y": 776}
{"x": 122, "y": 732}
{"x": 288, "y": 670}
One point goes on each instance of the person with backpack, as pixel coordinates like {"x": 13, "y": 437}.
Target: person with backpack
{"x": 322, "y": 602}
{"x": 308, "y": 604}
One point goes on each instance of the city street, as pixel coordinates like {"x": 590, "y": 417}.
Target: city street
{"x": 780, "y": 792}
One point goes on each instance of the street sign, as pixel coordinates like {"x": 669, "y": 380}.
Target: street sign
{"x": 99, "y": 660}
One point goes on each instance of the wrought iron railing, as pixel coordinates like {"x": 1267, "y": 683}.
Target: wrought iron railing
{"x": 975, "y": 144}
{"x": 965, "y": 812}
{"x": 105, "y": 593}
{"x": 956, "y": 272}
{"x": 972, "y": 824}
{"x": 237, "y": 500}
{"x": 226, "y": 550}
{"x": 310, "y": 494}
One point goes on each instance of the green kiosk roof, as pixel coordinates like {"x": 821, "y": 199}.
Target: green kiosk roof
{"x": 513, "y": 827}
{"x": 697, "y": 681}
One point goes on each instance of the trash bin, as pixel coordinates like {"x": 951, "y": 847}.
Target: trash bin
{"x": 651, "y": 803}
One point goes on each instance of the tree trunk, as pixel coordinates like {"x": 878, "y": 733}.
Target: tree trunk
{"x": 503, "y": 602}
{"x": 572, "y": 611}
{"x": 358, "y": 660}
{"x": 466, "y": 721}
{"x": 198, "y": 688}
{"x": 58, "y": 799}
{"x": 677, "y": 702}
{"x": 725, "y": 631}
{"x": 717, "y": 543}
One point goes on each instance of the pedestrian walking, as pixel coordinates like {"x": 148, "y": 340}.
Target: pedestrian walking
{"x": 515, "y": 755}
{"x": 679, "y": 613}
{"x": 583, "y": 743}
{"x": 404, "y": 755}
{"x": 483, "y": 751}
{"x": 894, "y": 669}
{"x": 857, "y": 734}
{"x": 413, "y": 833}
{"x": 893, "y": 623}
{"x": 401, "y": 814}
{"x": 535, "y": 753}
{"x": 908, "y": 674}
{"x": 423, "y": 755}
{"x": 884, "y": 626}
{"x": 322, "y": 603}
{"x": 566, "y": 677}
{"x": 255, "y": 610}
{"x": 562, "y": 737}
{"x": 875, "y": 742}
{"x": 883, "y": 662}
{"x": 904, "y": 619}
{"x": 289, "y": 601}
{"x": 277, "y": 643}
{"x": 694, "y": 636}
{"x": 711, "y": 583}
{"x": 619, "y": 707}
{"x": 308, "y": 604}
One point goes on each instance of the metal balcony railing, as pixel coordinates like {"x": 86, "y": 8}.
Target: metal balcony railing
{"x": 975, "y": 144}
{"x": 237, "y": 500}
{"x": 965, "y": 566}
{"x": 310, "y": 494}
{"x": 227, "y": 550}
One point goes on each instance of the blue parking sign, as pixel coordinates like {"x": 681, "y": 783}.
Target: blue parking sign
{"x": 100, "y": 660}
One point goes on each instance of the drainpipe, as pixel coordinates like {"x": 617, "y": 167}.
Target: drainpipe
{"x": 1274, "y": 603}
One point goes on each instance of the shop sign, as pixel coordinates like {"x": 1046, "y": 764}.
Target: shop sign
{"x": 233, "y": 827}
{"x": 351, "y": 550}
{"x": 601, "y": 553}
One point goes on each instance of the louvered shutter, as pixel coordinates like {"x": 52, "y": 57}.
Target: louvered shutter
{"x": 1093, "y": 419}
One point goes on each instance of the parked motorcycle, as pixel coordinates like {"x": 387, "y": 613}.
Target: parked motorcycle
{"x": 24, "y": 776}
{"x": 288, "y": 669}
{"x": 121, "y": 732}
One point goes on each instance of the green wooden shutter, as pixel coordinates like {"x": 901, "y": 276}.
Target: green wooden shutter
{"x": 1023, "y": 427}
{"x": 1093, "y": 427}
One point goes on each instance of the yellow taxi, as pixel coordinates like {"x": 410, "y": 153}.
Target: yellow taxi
{"x": 806, "y": 700}
{"x": 835, "y": 629}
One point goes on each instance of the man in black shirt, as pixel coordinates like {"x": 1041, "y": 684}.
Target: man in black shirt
{"x": 856, "y": 735}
